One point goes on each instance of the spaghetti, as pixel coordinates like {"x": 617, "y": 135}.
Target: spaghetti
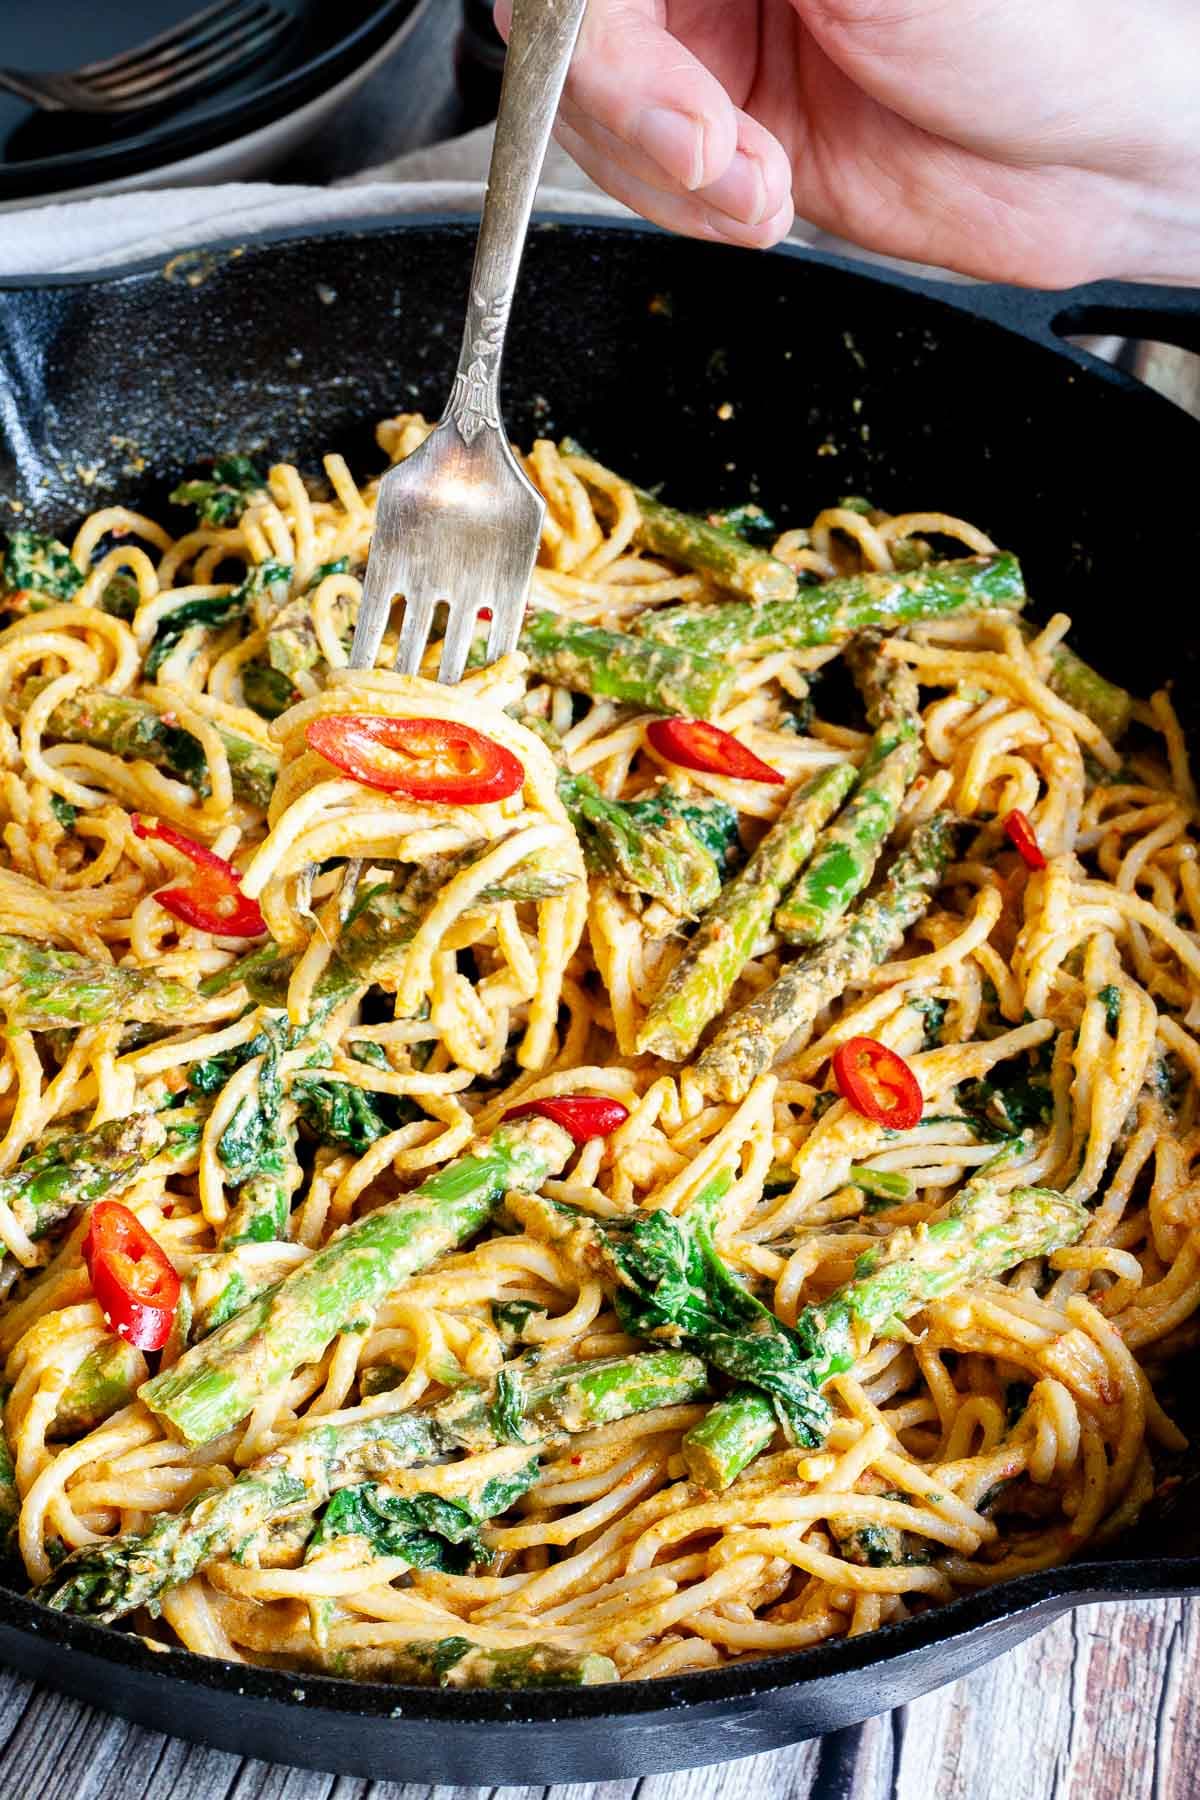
{"x": 1045, "y": 1017}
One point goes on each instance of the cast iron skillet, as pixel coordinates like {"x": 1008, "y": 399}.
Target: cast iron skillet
{"x": 840, "y": 381}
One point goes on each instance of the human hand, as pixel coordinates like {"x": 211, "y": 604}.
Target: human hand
{"x": 1036, "y": 141}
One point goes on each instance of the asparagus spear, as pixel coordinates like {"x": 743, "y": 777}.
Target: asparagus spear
{"x": 700, "y": 982}
{"x": 709, "y": 549}
{"x": 845, "y": 854}
{"x": 130, "y": 727}
{"x": 749, "y": 1042}
{"x": 651, "y": 846}
{"x": 612, "y": 665}
{"x": 985, "y": 1232}
{"x": 218, "y": 1382}
{"x": 78, "y": 1167}
{"x": 728, "y": 1438}
{"x": 1098, "y": 699}
{"x": 106, "y": 1379}
{"x": 458, "y": 1663}
{"x": 41, "y": 988}
{"x": 836, "y": 610}
{"x": 109, "y": 1580}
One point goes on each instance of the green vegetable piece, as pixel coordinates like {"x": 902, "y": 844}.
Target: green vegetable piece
{"x": 235, "y": 484}
{"x": 1110, "y": 999}
{"x": 984, "y": 1233}
{"x": 749, "y": 1042}
{"x": 723, "y": 556}
{"x": 838, "y": 609}
{"x": 728, "y": 1438}
{"x": 657, "y": 846}
{"x": 108, "y": 1580}
{"x": 748, "y": 522}
{"x": 700, "y": 983}
{"x": 106, "y": 1380}
{"x": 41, "y": 568}
{"x": 121, "y": 597}
{"x": 131, "y": 727}
{"x": 612, "y": 665}
{"x": 845, "y": 855}
{"x": 266, "y": 691}
{"x": 64, "y": 812}
{"x": 882, "y": 1184}
{"x": 216, "y": 1383}
{"x": 671, "y": 1283}
{"x": 293, "y": 644}
{"x": 264, "y": 588}
{"x": 48, "y": 1184}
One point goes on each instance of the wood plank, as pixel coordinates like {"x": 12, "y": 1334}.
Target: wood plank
{"x": 1102, "y": 1706}
{"x": 1105, "y": 1705}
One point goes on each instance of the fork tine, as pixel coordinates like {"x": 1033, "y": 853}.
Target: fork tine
{"x": 460, "y": 633}
{"x": 414, "y": 632}
{"x": 176, "y": 34}
{"x": 202, "y": 64}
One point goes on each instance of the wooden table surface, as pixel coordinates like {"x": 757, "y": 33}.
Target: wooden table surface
{"x": 1103, "y": 1705}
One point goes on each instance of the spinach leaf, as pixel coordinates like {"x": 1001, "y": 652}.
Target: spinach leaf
{"x": 711, "y": 822}
{"x": 339, "y": 566}
{"x": 748, "y": 522}
{"x": 507, "y": 1410}
{"x": 510, "y": 1318}
{"x": 235, "y": 485}
{"x": 265, "y": 579}
{"x": 427, "y": 1531}
{"x": 1015, "y": 1098}
{"x": 675, "y": 1284}
{"x": 267, "y": 691}
{"x": 39, "y": 565}
{"x": 120, "y": 597}
{"x": 337, "y": 1112}
{"x": 64, "y": 812}
{"x": 933, "y": 1012}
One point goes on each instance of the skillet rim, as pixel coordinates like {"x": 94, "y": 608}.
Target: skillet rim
{"x": 1031, "y": 315}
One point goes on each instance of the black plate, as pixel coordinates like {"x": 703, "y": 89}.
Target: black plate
{"x": 840, "y": 380}
{"x": 45, "y": 153}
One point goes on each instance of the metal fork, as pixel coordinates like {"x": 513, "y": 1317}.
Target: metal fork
{"x": 459, "y": 521}
{"x": 194, "y": 52}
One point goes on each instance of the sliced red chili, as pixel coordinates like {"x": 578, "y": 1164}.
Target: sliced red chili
{"x": 583, "y": 1115}
{"x": 695, "y": 744}
{"x": 212, "y": 900}
{"x": 485, "y": 613}
{"x": 877, "y": 1083}
{"x": 132, "y": 1276}
{"x": 1023, "y": 838}
{"x": 427, "y": 759}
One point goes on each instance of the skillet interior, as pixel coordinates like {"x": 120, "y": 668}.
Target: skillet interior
{"x": 840, "y": 381}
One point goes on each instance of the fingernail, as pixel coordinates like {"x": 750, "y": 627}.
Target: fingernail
{"x": 675, "y": 140}
{"x": 741, "y": 191}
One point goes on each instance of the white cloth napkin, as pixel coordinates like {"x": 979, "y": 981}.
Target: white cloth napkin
{"x": 120, "y": 229}
{"x": 446, "y": 178}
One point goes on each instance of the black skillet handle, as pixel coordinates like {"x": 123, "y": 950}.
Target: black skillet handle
{"x": 1126, "y": 309}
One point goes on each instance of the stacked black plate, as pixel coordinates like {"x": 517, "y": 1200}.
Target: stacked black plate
{"x": 226, "y": 132}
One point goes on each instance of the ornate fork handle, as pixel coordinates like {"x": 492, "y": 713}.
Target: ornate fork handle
{"x": 539, "y": 53}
